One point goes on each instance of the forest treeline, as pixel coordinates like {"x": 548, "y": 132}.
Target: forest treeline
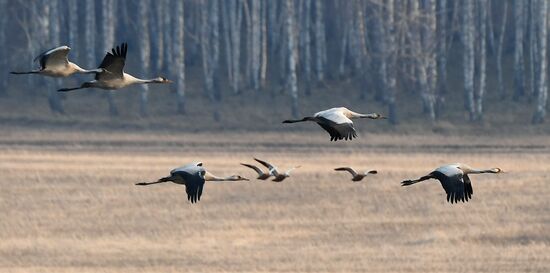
{"x": 389, "y": 47}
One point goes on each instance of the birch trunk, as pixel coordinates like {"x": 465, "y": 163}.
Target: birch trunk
{"x": 72, "y": 9}
{"x": 390, "y": 55}
{"x": 441, "y": 56}
{"x": 108, "y": 30}
{"x": 320, "y": 42}
{"x": 519, "y": 78}
{"x": 3, "y": 55}
{"x": 145, "y": 53}
{"x": 292, "y": 55}
{"x": 500, "y": 48}
{"x": 533, "y": 47}
{"x": 255, "y": 45}
{"x": 53, "y": 22}
{"x": 542, "y": 83}
{"x": 468, "y": 55}
{"x": 481, "y": 58}
{"x": 306, "y": 45}
{"x": 160, "y": 8}
{"x": 264, "y": 57}
{"x": 179, "y": 53}
{"x": 235, "y": 17}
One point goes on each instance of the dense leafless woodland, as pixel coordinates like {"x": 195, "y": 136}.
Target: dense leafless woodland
{"x": 387, "y": 47}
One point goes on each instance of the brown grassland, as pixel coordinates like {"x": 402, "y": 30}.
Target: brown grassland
{"x": 68, "y": 204}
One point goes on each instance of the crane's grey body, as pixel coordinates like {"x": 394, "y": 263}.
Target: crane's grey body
{"x": 191, "y": 175}
{"x": 55, "y": 63}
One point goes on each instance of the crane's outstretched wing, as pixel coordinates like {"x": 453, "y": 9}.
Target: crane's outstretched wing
{"x": 338, "y": 131}
{"x": 260, "y": 172}
{"x": 271, "y": 168}
{"x": 56, "y": 56}
{"x": 458, "y": 188}
{"x": 113, "y": 63}
{"x": 350, "y": 170}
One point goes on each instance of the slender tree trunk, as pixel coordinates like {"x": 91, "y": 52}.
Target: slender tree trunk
{"x": 441, "y": 33}
{"x": 542, "y": 82}
{"x": 292, "y": 55}
{"x": 54, "y": 99}
{"x": 500, "y": 48}
{"x": 3, "y": 55}
{"x": 160, "y": 7}
{"x": 167, "y": 42}
{"x": 72, "y": 9}
{"x": 255, "y": 45}
{"x": 108, "y": 29}
{"x": 468, "y": 55}
{"x": 390, "y": 55}
{"x": 264, "y": 57}
{"x": 145, "y": 53}
{"x": 235, "y": 15}
{"x": 90, "y": 33}
{"x": 519, "y": 78}
{"x": 379, "y": 52}
{"x": 320, "y": 42}
{"x": 179, "y": 53}
{"x": 305, "y": 39}
{"x": 533, "y": 47}
{"x": 481, "y": 58}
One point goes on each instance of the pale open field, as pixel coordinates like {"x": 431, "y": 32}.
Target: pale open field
{"x": 68, "y": 204}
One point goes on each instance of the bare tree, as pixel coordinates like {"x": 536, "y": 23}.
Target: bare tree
{"x": 500, "y": 48}
{"x": 53, "y": 22}
{"x": 320, "y": 42}
{"x": 468, "y": 64}
{"x": 481, "y": 58}
{"x": 441, "y": 25}
{"x": 541, "y": 66}
{"x": 254, "y": 49}
{"x": 3, "y": 55}
{"x": 108, "y": 40}
{"x": 519, "y": 69}
{"x": 179, "y": 53}
{"x": 305, "y": 44}
{"x": 292, "y": 55}
{"x": 391, "y": 57}
{"x": 145, "y": 53}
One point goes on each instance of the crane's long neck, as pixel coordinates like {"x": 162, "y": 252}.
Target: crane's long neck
{"x": 79, "y": 69}
{"x": 358, "y": 115}
{"x": 210, "y": 177}
{"x": 299, "y": 120}
{"x": 476, "y": 171}
{"x": 133, "y": 80}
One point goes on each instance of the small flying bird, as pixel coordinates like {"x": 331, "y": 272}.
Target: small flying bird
{"x": 454, "y": 179}
{"x": 112, "y": 76}
{"x": 356, "y": 177}
{"x": 261, "y": 174}
{"x": 337, "y": 122}
{"x": 273, "y": 171}
{"x": 193, "y": 176}
{"x": 54, "y": 63}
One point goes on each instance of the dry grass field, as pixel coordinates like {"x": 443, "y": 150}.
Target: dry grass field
{"x": 68, "y": 204}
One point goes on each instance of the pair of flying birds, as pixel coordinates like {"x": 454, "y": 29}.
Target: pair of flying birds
{"x": 109, "y": 75}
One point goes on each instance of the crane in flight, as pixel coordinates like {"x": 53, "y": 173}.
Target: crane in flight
{"x": 337, "y": 122}
{"x": 55, "y": 63}
{"x": 454, "y": 179}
